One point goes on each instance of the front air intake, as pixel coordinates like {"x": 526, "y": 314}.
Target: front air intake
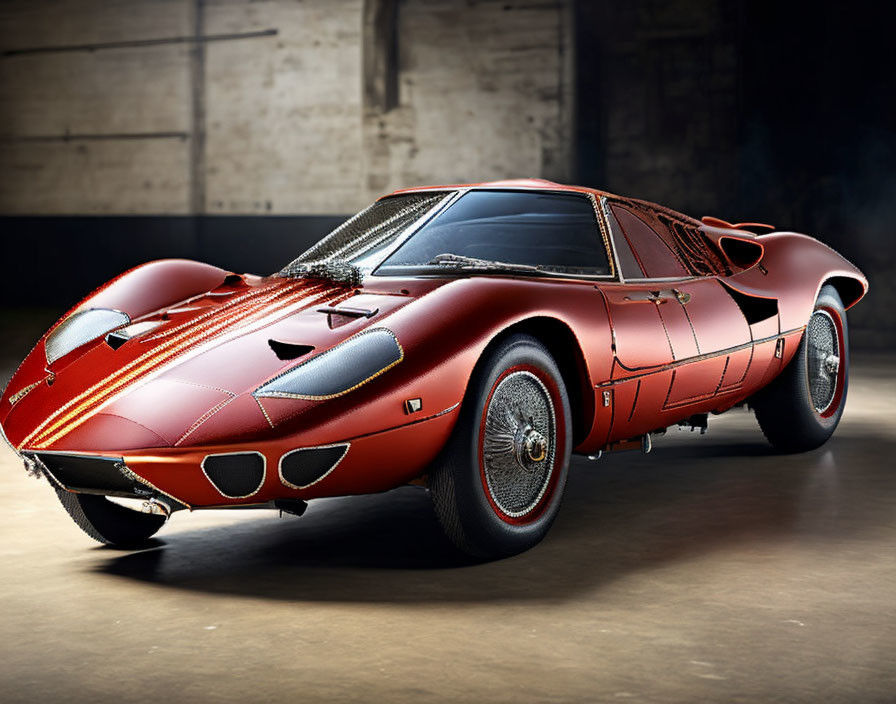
{"x": 90, "y": 474}
{"x": 236, "y": 475}
{"x": 301, "y": 468}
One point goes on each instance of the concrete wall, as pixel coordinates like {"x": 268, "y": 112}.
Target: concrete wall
{"x": 208, "y": 109}
{"x": 131, "y": 92}
{"x": 666, "y": 125}
{"x": 237, "y": 107}
{"x": 283, "y": 113}
{"x": 485, "y": 92}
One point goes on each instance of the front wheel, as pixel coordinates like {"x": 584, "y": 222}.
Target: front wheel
{"x": 801, "y": 408}
{"x": 498, "y": 483}
{"x": 108, "y": 522}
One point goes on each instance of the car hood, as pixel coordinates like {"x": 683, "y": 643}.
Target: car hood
{"x": 185, "y": 364}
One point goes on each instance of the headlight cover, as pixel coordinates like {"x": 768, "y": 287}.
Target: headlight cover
{"x": 340, "y": 369}
{"x": 80, "y": 328}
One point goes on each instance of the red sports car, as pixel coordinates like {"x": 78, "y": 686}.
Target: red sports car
{"x": 467, "y": 337}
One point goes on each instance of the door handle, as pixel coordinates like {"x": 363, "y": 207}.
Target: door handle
{"x": 645, "y": 297}
{"x": 658, "y": 297}
{"x": 683, "y": 296}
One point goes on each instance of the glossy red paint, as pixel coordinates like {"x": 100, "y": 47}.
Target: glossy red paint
{"x": 652, "y": 351}
{"x": 718, "y": 222}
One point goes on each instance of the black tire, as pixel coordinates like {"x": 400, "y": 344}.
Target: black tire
{"x": 108, "y": 522}
{"x": 801, "y": 408}
{"x": 492, "y": 495}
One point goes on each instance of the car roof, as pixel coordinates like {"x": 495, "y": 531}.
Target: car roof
{"x": 515, "y": 183}
{"x": 526, "y": 184}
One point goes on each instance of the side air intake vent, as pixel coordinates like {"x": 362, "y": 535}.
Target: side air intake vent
{"x": 236, "y": 475}
{"x": 755, "y": 308}
{"x": 289, "y": 350}
{"x": 117, "y": 338}
{"x": 742, "y": 253}
{"x": 339, "y": 370}
{"x": 301, "y": 468}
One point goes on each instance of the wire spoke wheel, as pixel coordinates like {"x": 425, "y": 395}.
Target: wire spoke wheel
{"x": 498, "y": 483}
{"x": 800, "y": 408}
{"x": 108, "y": 522}
{"x": 519, "y": 443}
{"x": 823, "y": 359}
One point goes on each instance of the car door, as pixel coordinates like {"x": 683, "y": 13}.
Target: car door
{"x": 722, "y": 337}
{"x": 698, "y": 322}
{"x": 720, "y": 345}
{"x": 643, "y": 353}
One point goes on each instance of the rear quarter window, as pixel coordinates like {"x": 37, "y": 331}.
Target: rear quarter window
{"x": 655, "y": 256}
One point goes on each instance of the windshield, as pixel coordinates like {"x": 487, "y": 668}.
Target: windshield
{"x": 482, "y": 231}
{"x": 507, "y": 230}
{"x": 357, "y": 245}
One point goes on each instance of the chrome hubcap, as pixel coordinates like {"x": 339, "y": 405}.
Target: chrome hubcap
{"x": 519, "y": 443}
{"x": 832, "y": 363}
{"x": 535, "y": 445}
{"x": 823, "y": 359}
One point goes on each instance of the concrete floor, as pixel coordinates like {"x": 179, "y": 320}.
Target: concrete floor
{"x": 710, "y": 570}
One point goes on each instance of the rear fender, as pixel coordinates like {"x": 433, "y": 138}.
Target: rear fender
{"x": 793, "y": 269}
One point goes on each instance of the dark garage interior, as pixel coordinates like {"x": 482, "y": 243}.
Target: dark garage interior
{"x": 238, "y": 132}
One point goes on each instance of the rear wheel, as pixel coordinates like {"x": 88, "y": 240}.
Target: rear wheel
{"x": 801, "y": 408}
{"x": 108, "y": 522}
{"x": 498, "y": 483}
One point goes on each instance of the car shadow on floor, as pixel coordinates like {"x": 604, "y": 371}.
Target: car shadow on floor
{"x": 625, "y": 513}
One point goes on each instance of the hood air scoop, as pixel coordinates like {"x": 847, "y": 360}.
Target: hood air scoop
{"x": 117, "y": 338}
{"x": 289, "y": 350}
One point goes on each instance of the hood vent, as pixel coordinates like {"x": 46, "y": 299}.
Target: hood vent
{"x": 342, "y": 315}
{"x": 117, "y": 338}
{"x": 289, "y": 350}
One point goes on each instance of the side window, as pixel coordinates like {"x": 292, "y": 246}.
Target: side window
{"x": 654, "y": 255}
{"x": 629, "y": 266}
{"x": 693, "y": 247}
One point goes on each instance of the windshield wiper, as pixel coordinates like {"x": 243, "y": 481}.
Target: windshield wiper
{"x": 331, "y": 269}
{"x": 459, "y": 261}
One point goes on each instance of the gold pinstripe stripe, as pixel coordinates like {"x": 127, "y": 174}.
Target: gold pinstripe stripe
{"x": 109, "y": 387}
{"x": 153, "y": 360}
{"x": 243, "y": 311}
{"x": 111, "y": 379}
